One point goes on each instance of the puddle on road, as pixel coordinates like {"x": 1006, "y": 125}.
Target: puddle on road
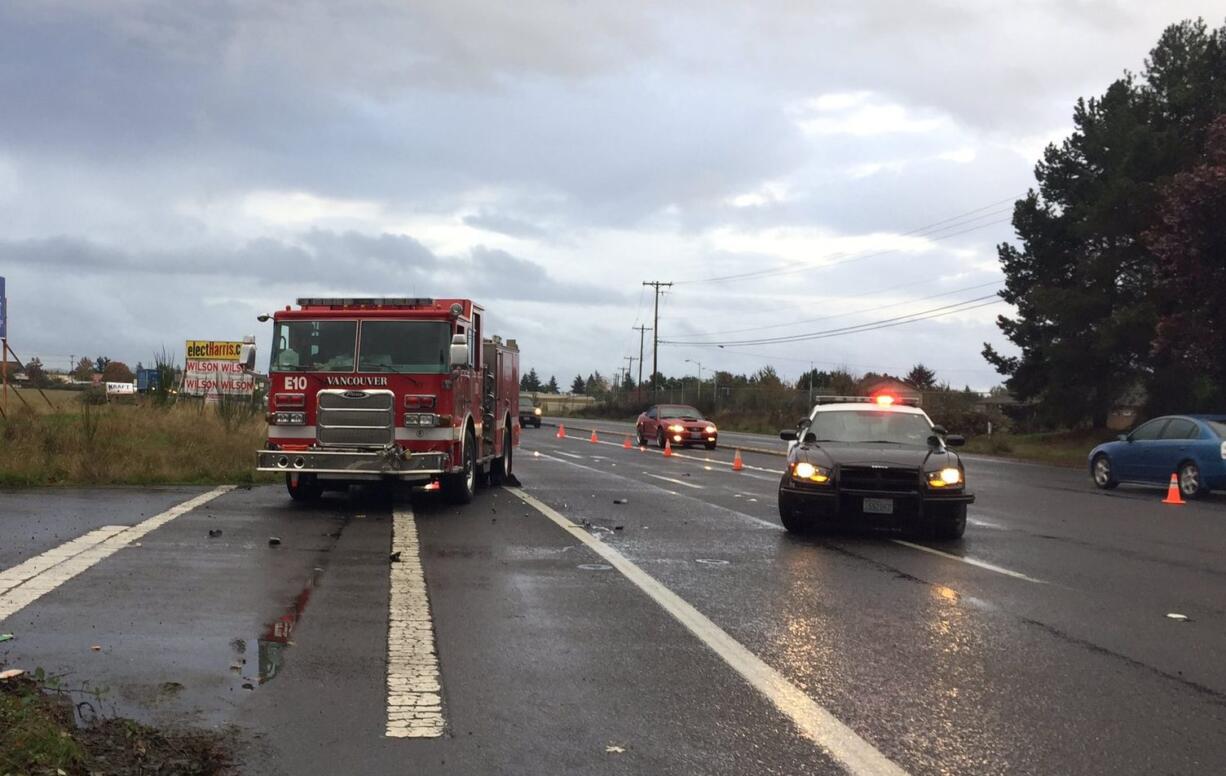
{"x": 276, "y": 637}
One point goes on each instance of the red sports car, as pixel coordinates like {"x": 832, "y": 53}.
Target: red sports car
{"x": 677, "y": 424}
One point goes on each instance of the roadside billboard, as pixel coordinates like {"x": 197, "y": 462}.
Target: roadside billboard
{"x": 216, "y": 368}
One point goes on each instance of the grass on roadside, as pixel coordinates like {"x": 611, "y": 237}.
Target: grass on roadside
{"x": 1059, "y": 448}
{"x": 39, "y": 736}
{"x": 128, "y": 444}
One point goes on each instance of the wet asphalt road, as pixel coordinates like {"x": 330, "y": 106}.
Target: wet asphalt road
{"x": 1038, "y": 644}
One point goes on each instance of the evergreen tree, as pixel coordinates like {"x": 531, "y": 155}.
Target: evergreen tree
{"x": 921, "y": 378}
{"x": 577, "y": 385}
{"x": 1082, "y": 279}
{"x": 530, "y": 381}
{"x": 552, "y": 387}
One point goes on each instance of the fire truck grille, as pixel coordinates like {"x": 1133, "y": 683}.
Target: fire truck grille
{"x": 355, "y": 418}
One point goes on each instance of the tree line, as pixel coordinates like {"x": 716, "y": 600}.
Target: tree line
{"x": 1119, "y": 278}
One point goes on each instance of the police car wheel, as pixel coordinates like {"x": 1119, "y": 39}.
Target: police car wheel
{"x": 948, "y": 523}
{"x": 791, "y": 517}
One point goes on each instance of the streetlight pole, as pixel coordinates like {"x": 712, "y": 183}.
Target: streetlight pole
{"x": 692, "y": 361}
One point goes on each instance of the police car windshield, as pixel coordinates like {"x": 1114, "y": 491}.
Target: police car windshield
{"x": 679, "y": 411}
{"x": 870, "y": 426}
{"x": 313, "y": 346}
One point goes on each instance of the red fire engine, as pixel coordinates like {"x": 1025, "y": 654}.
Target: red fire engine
{"x": 395, "y": 389}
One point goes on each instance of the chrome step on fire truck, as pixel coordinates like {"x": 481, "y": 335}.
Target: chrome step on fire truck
{"x": 390, "y": 389}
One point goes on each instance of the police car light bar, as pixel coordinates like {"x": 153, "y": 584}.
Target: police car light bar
{"x": 374, "y": 301}
{"x": 881, "y": 399}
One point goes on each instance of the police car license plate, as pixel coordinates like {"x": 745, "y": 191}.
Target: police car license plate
{"x": 879, "y": 506}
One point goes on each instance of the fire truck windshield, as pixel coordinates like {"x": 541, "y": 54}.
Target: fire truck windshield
{"x": 314, "y": 346}
{"x": 404, "y": 346}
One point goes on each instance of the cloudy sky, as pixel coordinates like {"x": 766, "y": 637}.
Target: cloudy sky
{"x": 171, "y": 170}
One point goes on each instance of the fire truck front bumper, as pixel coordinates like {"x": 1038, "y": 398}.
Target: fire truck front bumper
{"x": 355, "y": 464}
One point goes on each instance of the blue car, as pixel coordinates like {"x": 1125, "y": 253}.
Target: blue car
{"x": 1190, "y": 446}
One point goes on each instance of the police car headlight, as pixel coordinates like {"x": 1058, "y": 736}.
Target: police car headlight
{"x": 945, "y": 478}
{"x": 807, "y": 472}
{"x": 536, "y": 411}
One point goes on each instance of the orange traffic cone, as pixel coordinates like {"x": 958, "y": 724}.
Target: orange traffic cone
{"x": 561, "y": 431}
{"x": 594, "y": 440}
{"x": 627, "y": 444}
{"x": 668, "y": 448}
{"x": 1172, "y": 492}
{"x": 737, "y": 463}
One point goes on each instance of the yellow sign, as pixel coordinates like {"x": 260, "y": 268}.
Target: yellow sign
{"x": 209, "y": 350}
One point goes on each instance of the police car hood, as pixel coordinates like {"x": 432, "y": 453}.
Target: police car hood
{"x": 830, "y": 454}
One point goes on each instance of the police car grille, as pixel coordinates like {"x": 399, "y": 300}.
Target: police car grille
{"x": 355, "y": 418}
{"x": 887, "y": 479}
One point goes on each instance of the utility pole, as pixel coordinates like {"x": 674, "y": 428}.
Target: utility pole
{"x": 692, "y": 361}
{"x": 630, "y": 368}
{"x": 641, "y": 330}
{"x": 655, "y": 333}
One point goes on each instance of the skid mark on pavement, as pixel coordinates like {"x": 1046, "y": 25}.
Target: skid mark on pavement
{"x": 414, "y": 700}
{"x": 30, "y": 580}
{"x": 813, "y": 721}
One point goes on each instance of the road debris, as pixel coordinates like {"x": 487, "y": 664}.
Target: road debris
{"x": 394, "y": 557}
{"x": 1177, "y": 616}
{"x": 96, "y": 648}
{"x": 6, "y": 637}
{"x": 214, "y": 533}
{"x": 614, "y": 749}
{"x": 11, "y": 673}
{"x": 621, "y": 501}
{"x": 273, "y": 541}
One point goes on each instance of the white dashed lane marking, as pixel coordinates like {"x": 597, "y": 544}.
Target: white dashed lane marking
{"x": 30, "y": 580}
{"x": 675, "y": 482}
{"x": 414, "y": 699}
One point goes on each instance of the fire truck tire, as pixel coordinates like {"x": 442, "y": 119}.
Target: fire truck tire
{"x": 309, "y": 488}
{"x": 462, "y": 488}
{"x": 500, "y": 470}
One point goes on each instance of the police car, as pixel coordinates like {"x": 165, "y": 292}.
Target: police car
{"x": 873, "y": 461}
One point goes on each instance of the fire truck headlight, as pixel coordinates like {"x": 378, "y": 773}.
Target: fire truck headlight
{"x": 420, "y": 419}
{"x": 289, "y": 418}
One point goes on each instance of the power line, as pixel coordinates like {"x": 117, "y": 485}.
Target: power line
{"x": 835, "y": 315}
{"x": 808, "y": 266}
{"x": 935, "y": 312}
{"x": 957, "y": 222}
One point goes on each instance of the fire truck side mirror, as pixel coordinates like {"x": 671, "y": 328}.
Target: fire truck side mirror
{"x": 459, "y": 351}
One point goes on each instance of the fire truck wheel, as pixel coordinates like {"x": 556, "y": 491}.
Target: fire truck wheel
{"x": 500, "y": 470}
{"x": 462, "y": 487}
{"x": 309, "y": 488}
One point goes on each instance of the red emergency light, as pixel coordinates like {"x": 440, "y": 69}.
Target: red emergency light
{"x": 884, "y": 399}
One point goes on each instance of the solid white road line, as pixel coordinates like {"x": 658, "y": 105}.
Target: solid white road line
{"x": 28, "y": 581}
{"x": 751, "y": 497}
{"x": 970, "y": 561}
{"x": 570, "y": 455}
{"x": 813, "y": 721}
{"x": 414, "y": 702}
{"x": 675, "y": 482}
